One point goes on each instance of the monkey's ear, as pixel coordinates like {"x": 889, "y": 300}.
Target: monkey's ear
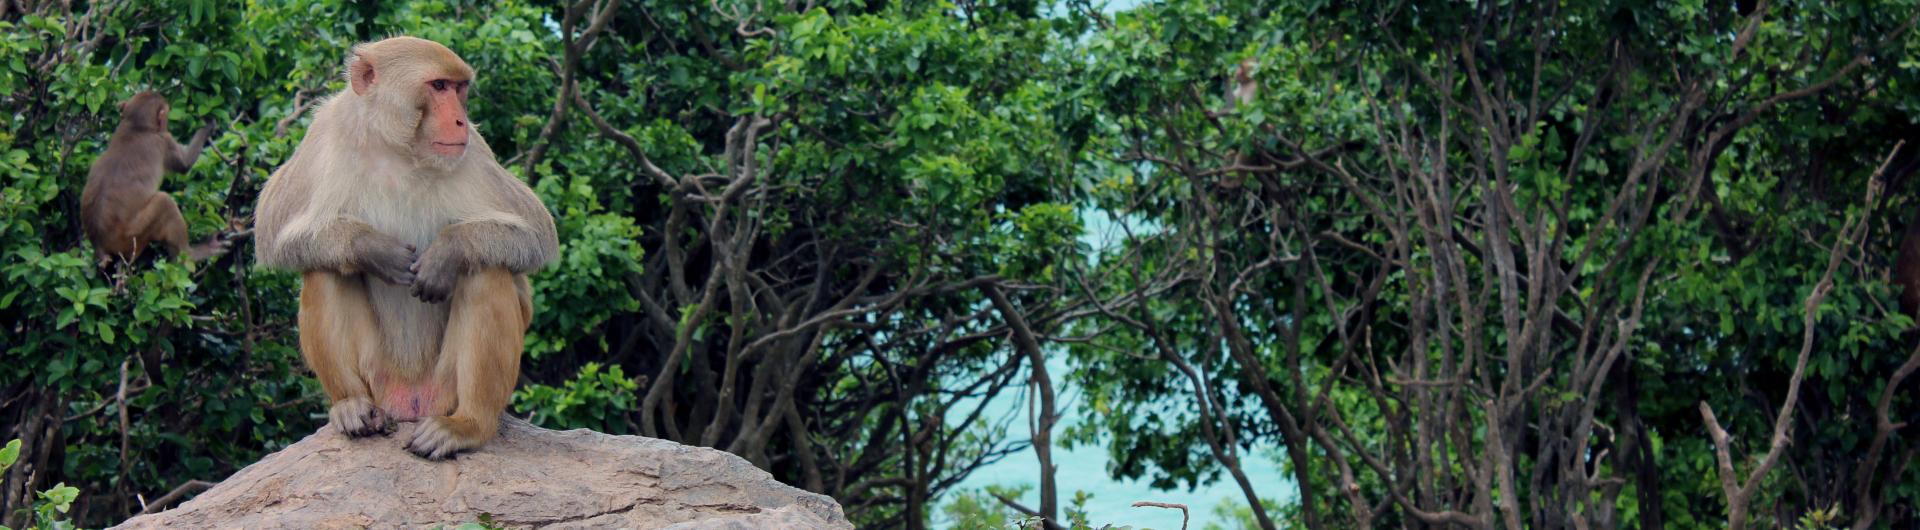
{"x": 360, "y": 74}
{"x": 160, "y": 118}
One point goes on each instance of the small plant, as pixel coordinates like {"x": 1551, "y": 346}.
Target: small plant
{"x": 483, "y": 522}
{"x": 51, "y": 505}
{"x": 1820, "y": 519}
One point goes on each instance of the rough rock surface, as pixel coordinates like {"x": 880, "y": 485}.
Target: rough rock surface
{"x": 529, "y": 477}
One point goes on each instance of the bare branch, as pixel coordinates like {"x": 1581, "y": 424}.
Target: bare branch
{"x": 1741, "y": 495}
{"x": 179, "y": 492}
{"x": 1181, "y": 507}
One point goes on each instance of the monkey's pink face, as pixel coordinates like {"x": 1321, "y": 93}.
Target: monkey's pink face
{"x": 445, "y": 125}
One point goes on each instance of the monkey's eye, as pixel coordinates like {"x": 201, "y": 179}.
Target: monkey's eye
{"x": 439, "y": 85}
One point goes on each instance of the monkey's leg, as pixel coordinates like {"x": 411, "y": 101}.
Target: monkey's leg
{"x": 337, "y": 332}
{"x": 154, "y": 219}
{"x": 160, "y": 220}
{"x": 163, "y": 222}
{"x": 479, "y": 360}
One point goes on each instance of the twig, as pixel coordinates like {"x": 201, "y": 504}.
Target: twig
{"x": 300, "y": 106}
{"x": 1049, "y": 524}
{"x": 133, "y": 391}
{"x": 1152, "y": 504}
{"x": 181, "y": 491}
{"x": 302, "y": 400}
{"x": 120, "y": 396}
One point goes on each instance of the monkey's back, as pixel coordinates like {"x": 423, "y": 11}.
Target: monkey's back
{"x": 118, "y": 184}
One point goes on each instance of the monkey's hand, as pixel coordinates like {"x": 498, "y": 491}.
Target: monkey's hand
{"x": 383, "y": 256}
{"x": 357, "y": 417}
{"x": 435, "y": 272}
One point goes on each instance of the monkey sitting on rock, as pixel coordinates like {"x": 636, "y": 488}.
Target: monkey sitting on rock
{"x": 413, "y": 245}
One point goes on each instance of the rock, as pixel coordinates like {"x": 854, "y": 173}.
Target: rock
{"x": 529, "y": 477}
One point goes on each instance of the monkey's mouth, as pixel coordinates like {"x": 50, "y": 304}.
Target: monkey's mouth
{"x": 450, "y": 149}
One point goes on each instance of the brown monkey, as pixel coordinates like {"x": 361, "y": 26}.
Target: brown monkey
{"x": 388, "y": 168}
{"x": 1242, "y": 91}
{"x": 122, "y": 208}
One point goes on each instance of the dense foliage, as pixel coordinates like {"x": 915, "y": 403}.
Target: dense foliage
{"x": 1550, "y": 265}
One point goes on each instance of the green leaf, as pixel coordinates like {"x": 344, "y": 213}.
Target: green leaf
{"x": 61, "y": 497}
{"x": 9, "y": 454}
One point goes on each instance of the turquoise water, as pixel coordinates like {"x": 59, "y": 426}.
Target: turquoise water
{"x": 1085, "y": 469}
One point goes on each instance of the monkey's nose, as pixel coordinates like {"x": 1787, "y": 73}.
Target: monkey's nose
{"x": 459, "y": 123}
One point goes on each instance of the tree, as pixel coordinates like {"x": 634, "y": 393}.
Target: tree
{"x": 1435, "y": 280}
{"x": 1465, "y": 264}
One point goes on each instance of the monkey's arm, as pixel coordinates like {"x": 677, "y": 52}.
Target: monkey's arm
{"x": 182, "y": 157}
{"x": 344, "y": 245}
{"x": 340, "y": 244}
{"x": 520, "y": 239}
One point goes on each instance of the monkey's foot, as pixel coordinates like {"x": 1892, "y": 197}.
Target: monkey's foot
{"x": 357, "y": 417}
{"x": 440, "y": 437}
{"x": 213, "y": 248}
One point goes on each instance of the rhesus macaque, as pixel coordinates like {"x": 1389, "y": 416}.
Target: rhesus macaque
{"x": 1242, "y": 91}
{"x": 122, "y": 208}
{"x": 414, "y": 246}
